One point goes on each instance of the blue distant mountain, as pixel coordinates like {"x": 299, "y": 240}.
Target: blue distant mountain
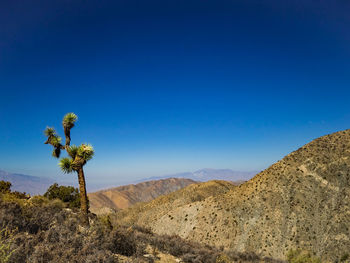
{"x": 26, "y": 183}
{"x": 208, "y": 174}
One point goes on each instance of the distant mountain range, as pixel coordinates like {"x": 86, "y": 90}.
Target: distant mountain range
{"x": 38, "y": 185}
{"x": 147, "y": 189}
{"x": 124, "y": 196}
{"x": 26, "y": 183}
{"x": 209, "y": 174}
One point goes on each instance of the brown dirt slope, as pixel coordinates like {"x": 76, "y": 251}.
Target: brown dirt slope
{"x": 302, "y": 201}
{"x": 162, "y": 205}
{"x": 125, "y": 196}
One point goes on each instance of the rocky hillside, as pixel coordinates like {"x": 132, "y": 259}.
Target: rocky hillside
{"x": 125, "y": 196}
{"x": 172, "y": 202}
{"x": 302, "y": 201}
{"x": 42, "y": 230}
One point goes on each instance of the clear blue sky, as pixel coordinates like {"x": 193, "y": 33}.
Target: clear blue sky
{"x": 171, "y": 86}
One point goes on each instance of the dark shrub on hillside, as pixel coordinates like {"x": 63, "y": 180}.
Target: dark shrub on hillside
{"x": 300, "y": 256}
{"x": 20, "y": 195}
{"x": 121, "y": 242}
{"x": 11, "y": 215}
{"x": 67, "y": 194}
{"x": 5, "y": 187}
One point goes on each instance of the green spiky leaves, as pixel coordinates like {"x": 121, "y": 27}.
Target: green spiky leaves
{"x": 69, "y": 120}
{"x": 85, "y": 151}
{"x": 66, "y": 165}
{"x": 55, "y": 141}
{"x": 72, "y": 151}
{"x": 49, "y": 131}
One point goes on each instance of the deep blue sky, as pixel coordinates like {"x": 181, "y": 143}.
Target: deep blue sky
{"x": 171, "y": 86}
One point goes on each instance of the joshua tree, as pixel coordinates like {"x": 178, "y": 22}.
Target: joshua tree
{"x": 78, "y": 156}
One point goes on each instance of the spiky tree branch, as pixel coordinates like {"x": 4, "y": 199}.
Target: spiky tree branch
{"x": 54, "y": 140}
{"x": 68, "y": 123}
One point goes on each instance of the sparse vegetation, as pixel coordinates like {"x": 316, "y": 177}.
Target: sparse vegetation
{"x": 300, "y": 256}
{"x": 43, "y": 230}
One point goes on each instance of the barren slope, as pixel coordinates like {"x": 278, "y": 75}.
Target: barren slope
{"x": 163, "y": 204}
{"x": 302, "y": 201}
{"x": 125, "y": 196}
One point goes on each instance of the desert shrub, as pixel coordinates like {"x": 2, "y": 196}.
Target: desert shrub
{"x": 196, "y": 198}
{"x": 10, "y": 198}
{"x": 5, "y": 187}
{"x": 5, "y": 191}
{"x": 62, "y": 240}
{"x": 39, "y": 200}
{"x": 141, "y": 229}
{"x": 121, "y": 242}
{"x": 47, "y": 232}
{"x": 223, "y": 259}
{"x": 67, "y": 194}
{"x": 11, "y": 215}
{"x": 300, "y": 256}
{"x": 344, "y": 257}
{"x": 40, "y": 218}
{"x": 26, "y": 216}
{"x": 99, "y": 256}
{"x": 106, "y": 221}
{"x": 6, "y": 247}
{"x": 20, "y": 195}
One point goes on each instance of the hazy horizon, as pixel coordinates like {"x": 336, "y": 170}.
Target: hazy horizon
{"x": 95, "y": 184}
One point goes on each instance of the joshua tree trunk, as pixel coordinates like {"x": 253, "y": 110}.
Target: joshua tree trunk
{"x": 83, "y": 197}
{"x": 67, "y": 134}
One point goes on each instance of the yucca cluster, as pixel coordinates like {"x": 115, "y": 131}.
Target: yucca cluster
{"x": 78, "y": 155}
{"x": 54, "y": 140}
{"x": 84, "y": 152}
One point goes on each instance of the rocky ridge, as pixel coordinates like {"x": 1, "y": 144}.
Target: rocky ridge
{"x": 302, "y": 201}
